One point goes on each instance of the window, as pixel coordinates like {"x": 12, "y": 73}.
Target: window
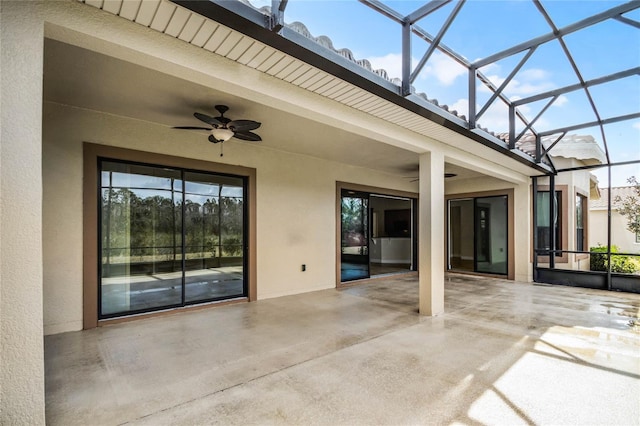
{"x": 581, "y": 203}
{"x": 168, "y": 237}
{"x": 544, "y": 222}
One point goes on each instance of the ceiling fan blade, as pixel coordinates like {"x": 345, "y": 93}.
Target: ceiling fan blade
{"x": 192, "y": 128}
{"x": 207, "y": 119}
{"x": 247, "y": 136}
{"x": 243, "y": 125}
{"x": 213, "y": 140}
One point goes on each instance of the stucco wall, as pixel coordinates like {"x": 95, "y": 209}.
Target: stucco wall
{"x": 620, "y": 235}
{"x": 295, "y": 204}
{"x": 21, "y": 345}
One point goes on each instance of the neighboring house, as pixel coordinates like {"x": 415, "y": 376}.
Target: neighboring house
{"x": 574, "y": 190}
{"x": 627, "y": 241}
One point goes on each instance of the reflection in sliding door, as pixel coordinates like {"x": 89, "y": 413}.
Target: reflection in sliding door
{"x": 355, "y": 236}
{"x": 491, "y": 235}
{"x": 477, "y": 239}
{"x": 461, "y": 253}
{"x": 169, "y": 238}
{"x": 141, "y": 238}
{"x": 213, "y": 224}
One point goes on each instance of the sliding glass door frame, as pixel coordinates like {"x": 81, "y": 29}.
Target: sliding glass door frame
{"x": 367, "y": 192}
{"x": 507, "y": 238}
{"x": 184, "y": 173}
{"x": 356, "y": 235}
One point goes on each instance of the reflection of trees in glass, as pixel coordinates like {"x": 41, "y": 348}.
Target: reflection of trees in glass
{"x": 139, "y": 228}
{"x": 354, "y": 222}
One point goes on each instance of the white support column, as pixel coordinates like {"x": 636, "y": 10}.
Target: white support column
{"x": 522, "y": 232}
{"x": 21, "y": 328}
{"x": 431, "y": 234}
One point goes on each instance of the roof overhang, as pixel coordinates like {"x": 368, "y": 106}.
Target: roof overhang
{"x": 253, "y": 23}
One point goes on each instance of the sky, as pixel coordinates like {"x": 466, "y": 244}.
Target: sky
{"x": 484, "y": 27}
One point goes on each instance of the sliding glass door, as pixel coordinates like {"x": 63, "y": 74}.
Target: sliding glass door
{"x": 377, "y": 235}
{"x": 354, "y": 254}
{"x": 477, "y": 240}
{"x": 169, "y": 238}
{"x": 491, "y": 235}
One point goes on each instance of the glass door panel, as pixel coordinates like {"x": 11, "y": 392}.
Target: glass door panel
{"x": 461, "y": 231}
{"x": 141, "y": 245}
{"x": 491, "y": 235}
{"x": 355, "y": 236}
{"x": 214, "y": 237}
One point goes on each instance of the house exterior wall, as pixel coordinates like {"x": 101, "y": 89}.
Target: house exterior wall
{"x": 21, "y": 345}
{"x": 41, "y": 177}
{"x": 573, "y": 183}
{"x": 294, "y": 191}
{"x": 295, "y": 204}
{"x": 620, "y": 235}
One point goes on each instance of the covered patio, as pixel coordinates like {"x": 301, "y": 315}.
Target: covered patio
{"x": 504, "y": 352}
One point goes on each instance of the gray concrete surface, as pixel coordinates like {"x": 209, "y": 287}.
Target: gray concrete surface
{"x": 503, "y": 353}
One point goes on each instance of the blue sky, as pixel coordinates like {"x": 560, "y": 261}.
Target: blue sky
{"x": 484, "y": 27}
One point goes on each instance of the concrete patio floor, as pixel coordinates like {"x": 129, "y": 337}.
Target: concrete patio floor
{"x": 503, "y": 353}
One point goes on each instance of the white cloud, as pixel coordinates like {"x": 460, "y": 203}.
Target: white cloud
{"x": 526, "y": 82}
{"x": 496, "y": 118}
{"x": 535, "y": 74}
{"x": 391, "y": 63}
{"x": 445, "y": 69}
{"x": 562, "y": 99}
{"x": 636, "y": 125}
{"x": 462, "y": 106}
{"x": 439, "y": 66}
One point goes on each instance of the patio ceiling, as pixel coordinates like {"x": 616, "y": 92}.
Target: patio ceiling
{"x": 86, "y": 79}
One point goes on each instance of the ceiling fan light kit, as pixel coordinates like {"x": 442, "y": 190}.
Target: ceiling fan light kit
{"x": 221, "y": 134}
{"x": 223, "y": 128}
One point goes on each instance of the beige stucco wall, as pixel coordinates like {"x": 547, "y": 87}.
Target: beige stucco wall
{"x": 21, "y": 345}
{"x": 620, "y": 235}
{"x": 295, "y": 203}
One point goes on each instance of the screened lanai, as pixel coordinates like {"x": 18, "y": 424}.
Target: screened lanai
{"x": 554, "y": 84}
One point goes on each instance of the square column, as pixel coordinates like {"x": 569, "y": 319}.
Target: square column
{"x": 522, "y": 233}
{"x": 431, "y": 231}
{"x": 21, "y": 328}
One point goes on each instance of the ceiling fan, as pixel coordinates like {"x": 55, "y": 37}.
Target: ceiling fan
{"x": 223, "y": 128}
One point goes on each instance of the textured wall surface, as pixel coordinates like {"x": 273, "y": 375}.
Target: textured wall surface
{"x": 21, "y": 348}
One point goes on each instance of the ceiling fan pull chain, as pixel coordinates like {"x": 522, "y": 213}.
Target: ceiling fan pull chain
{"x": 221, "y": 151}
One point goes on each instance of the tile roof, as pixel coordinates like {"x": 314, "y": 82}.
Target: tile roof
{"x": 602, "y": 203}
{"x": 582, "y": 147}
{"x": 571, "y": 146}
